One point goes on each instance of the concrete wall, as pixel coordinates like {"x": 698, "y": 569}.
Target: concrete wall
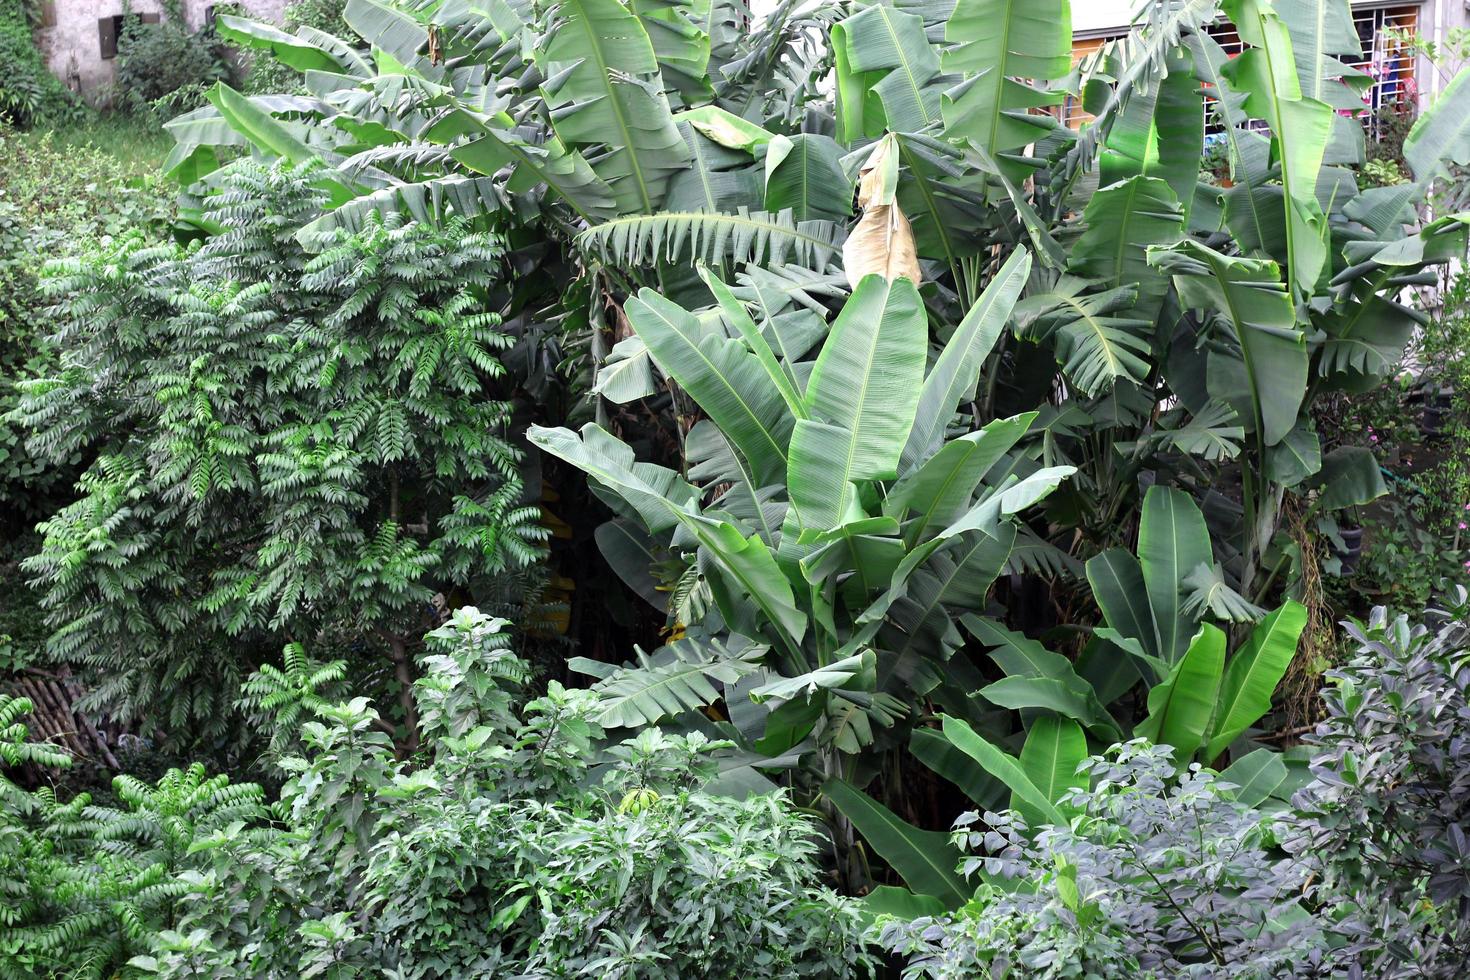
{"x": 73, "y": 50}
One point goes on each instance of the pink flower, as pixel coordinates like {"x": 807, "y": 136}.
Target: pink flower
{"x": 1464, "y": 526}
{"x": 1372, "y": 438}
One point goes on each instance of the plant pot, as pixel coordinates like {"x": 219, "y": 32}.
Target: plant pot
{"x": 1432, "y": 422}
{"x": 1352, "y": 539}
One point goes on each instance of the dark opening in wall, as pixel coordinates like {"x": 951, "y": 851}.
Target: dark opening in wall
{"x": 109, "y": 29}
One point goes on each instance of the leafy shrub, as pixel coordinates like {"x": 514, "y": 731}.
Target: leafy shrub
{"x": 1384, "y": 821}
{"x": 285, "y": 443}
{"x": 1156, "y": 873}
{"x": 54, "y": 198}
{"x": 1153, "y": 876}
{"x": 164, "y": 67}
{"x": 29, "y": 93}
{"x": 505, "y": 855}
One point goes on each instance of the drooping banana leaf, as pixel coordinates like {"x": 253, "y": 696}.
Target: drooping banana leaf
{"x": 661, "y": 499}
{"x": 399, "y": 41}
{"x": 925, "y": 859}
{"x": 1007, "y": 51}
{"x": 804, "y": 176}
{"x": 885, "y": 73}
{"x": 1160, "y": 132}
{"x": 680, "y": 46}
{"x": 1098, "y": 339}
{"x": 1038, "y": 678}
{"x": 1208, "y": 592}
{"x": 1441, "y": 135}
{"x": 723, "y": 376}
{"x": 1123, "y": 222}
{"x": 718, "y": 178}
{"x": 1266, "y": 381}
{"x": 742, "y": 238}
{"x": 317, "y": 50}
{"x": 603, "y": 87}
{"x": 565, "y": 172}
{"x": 1029, "y": 799}
{"x": 672, "y": 681}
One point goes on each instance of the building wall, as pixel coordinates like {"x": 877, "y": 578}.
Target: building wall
{"x": 73, "y": 49}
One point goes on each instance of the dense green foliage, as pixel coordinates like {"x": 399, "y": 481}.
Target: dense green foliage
{"x": 29, "y": 93}
{"x": 164, "y": 67}
{"x": 506, "y": 854}
{"x": 279, "y": 439}
{"x": 1355, "y": 867}
{"x": 895, "y": 446}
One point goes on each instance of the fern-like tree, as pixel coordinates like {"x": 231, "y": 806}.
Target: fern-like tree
{"x": 284, "y": 445}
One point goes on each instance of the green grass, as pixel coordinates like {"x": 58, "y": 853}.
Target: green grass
{"x": 138, "y": 145}
{"x": 101, "y": 175}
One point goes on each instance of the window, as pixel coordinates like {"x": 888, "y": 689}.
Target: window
{"x": 110, "y": 29}
{"x": 1389, "y": 61}
{"x": 1386, "y": 58}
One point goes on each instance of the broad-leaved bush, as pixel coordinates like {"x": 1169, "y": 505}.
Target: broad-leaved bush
{"x": 510, "y": 846}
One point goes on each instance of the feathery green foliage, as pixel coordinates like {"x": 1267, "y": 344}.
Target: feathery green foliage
{"x": 283, "y": 442}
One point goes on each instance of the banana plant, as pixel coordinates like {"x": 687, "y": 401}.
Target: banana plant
{"x": 1197, "y": 700}
{"x": 838, "y": 526}
{"x": 1201, "y": 708}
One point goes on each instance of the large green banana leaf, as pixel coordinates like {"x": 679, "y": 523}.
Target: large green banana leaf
{"x": 926, "y": 859}
{"x": 1266, "y": 73}
{"x": 1123, "y": 222}
{"x": 304, "y": 51}
{"x": 1029, "y": 799}
{"x": 1159, "y": 133}
{"x": 1053, "y": 750}
{"x": 804, "y": 176}
{"x": 862, "y": 396}
{"x": 720, "y": 373}
{"x": 1323, "y": 40}
{"x": 1441, "y": 136}
{"x": 1181, "y": 707}
{"x": 958, "y": 367}
{"x": 1266, "y": 381}
{"x": 1097, "y": 336}
{"x": 1172, "y": 542}
{"x": 1254, "y": 672}
{"x": 681, "y": 46}
{"x": 1007, "y": 52}
{"x": 602, "y": 87}
{"x": 885, "y": 73}
{"x": 748, "y": 568}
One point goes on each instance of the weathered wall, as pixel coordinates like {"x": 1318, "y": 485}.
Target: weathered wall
{"x": 73, "y": 49}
